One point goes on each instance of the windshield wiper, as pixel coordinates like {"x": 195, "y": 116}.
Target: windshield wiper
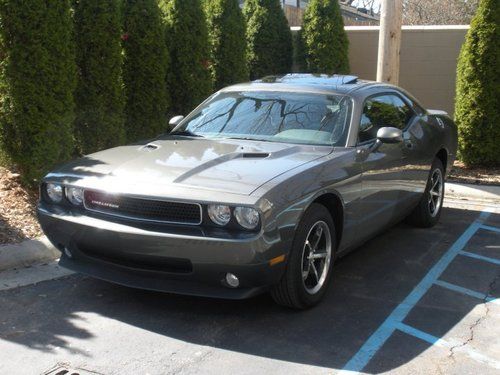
{"x": 187, "y": 133}
{"x": 249, "y": 139}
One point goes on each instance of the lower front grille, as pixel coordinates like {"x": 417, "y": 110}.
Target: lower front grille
{"x": 143, "y": 209}
{"x": 136, "y": 261}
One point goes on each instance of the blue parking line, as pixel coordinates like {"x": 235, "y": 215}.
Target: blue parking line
{"x": 489, "y": 227}
{"x": 472, "y": 293}
{"x": 480, "y": 257}
{"x": 424, "y": 336}
{"x": 433, "y": 340}
{"x": 371, "y": 346}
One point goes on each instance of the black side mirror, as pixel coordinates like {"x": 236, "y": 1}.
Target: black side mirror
{"x": 387, "y": 134}
{"x": 174, "y": 121}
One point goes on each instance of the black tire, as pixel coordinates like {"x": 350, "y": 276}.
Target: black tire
{"x": 422, "y": 216}
{"x": 291, "y": 290}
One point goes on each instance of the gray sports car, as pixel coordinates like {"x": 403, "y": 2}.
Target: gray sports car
{"x": 260, "y": 188}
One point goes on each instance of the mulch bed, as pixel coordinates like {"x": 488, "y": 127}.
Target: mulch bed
{"x": 479, "y": 176}
{"x": 17, "y": 209}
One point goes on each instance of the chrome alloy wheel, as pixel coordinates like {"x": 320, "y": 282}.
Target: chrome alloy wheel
{"x": 436, "y": 192}
{"x": 316, "y": 257}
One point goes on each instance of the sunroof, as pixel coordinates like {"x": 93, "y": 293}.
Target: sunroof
{"x": 311, "y": 79}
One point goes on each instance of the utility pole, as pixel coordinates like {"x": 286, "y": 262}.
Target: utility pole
{"x": 389, "y": 41}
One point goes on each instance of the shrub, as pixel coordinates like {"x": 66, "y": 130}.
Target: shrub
{"x": 227, "y": 42}
{"x": 478, "y": 89}
{"x": 189, "y": 78}
{"x": 37, "y": 83}
{"x": 145, "y": 70}
{"x": 100, "y": 98}
{"x": 269, "y": 40}
{"x": 325, "y": 41}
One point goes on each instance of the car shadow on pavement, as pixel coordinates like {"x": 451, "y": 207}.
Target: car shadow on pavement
{"x": 367, "y": 286}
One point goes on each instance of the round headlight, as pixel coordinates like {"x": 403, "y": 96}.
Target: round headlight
{"x": 55, "y": 192}
{"x": 75, "y": 195}
{"x": 247, "y": 217}
{"x": 219, "y": 213}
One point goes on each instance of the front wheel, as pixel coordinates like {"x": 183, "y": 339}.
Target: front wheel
{"x": 310, "y": 262}
{"x": 428, "y": 211}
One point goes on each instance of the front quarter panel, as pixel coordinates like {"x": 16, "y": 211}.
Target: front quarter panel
{"x": 290, "y": 194}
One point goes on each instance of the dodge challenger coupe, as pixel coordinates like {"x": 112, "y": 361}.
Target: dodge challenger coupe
{"x": 261, "y": 188}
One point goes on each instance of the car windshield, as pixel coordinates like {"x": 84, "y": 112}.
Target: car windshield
{"x": 304, "y": 118}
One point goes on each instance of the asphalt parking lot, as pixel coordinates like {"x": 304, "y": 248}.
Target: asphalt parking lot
{"x": 419, "y": 301}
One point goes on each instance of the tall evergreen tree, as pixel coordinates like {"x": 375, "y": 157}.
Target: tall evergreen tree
{"x": 324, "y": 39}
{"x": 189, "y": 78}
{"x": 269, "y": 40}
{"x": 478, "y": 88}
{"x": 37, "y": 80}
{"x": 226, "y": 27}
{"x": 100, "y": 98}
{"x": 145, "y": 70}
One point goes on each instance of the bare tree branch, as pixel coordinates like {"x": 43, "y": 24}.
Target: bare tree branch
{"x": 438, "y": 12}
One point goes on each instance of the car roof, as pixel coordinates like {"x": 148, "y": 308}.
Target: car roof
{"x": 305, "y": 82}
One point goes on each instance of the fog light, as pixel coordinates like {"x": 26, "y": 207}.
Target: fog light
{"x": 232, "y": 280}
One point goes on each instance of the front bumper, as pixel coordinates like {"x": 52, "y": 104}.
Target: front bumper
{"x": 167, "y": 259}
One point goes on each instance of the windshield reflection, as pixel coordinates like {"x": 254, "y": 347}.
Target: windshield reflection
{"x": 304, "y": 118}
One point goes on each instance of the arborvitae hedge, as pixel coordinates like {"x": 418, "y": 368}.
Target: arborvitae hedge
{"x": 325, "y": 41}
{"x": 189, "y": 79}
{"x": 269, "y": 39}
{"x": 226, "y": 27}
{"x": 145, "y": 70}
{"x": 477, "y": 108}
{"x": 37, "y": 83}
{"x": 100, "y": 98}
{"x": 299, "y": 55}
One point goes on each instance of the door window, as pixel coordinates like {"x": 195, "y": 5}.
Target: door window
{"x": 380, "y": 111}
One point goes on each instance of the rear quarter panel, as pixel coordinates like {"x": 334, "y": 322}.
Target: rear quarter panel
{"x": 446, "y": 131}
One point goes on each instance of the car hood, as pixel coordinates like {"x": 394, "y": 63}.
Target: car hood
{"x": 228, "y": 165}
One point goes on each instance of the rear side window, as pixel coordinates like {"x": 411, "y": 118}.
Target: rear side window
{"x": 380, "y": 111}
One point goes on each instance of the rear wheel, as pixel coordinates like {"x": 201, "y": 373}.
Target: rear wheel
{"x": 310, "y": 261}
{"x": 428, "y": 211}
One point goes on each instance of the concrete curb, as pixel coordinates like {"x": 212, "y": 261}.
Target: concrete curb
{"x": 30, "y": 252}
{"x": 27, "y": 253}
{"x": 481, "y": 193}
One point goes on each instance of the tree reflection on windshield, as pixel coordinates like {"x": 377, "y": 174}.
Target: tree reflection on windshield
{"x": 286, "y": 117}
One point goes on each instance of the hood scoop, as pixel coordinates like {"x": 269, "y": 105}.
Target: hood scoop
{"x": 255, "y": 155}
{"x": 149, "y": 147}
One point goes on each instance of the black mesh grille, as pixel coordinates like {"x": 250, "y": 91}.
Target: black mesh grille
{"x": 143, "y": 209}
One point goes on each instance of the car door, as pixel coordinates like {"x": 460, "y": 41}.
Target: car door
{"x": 382, "y": 169}
{"x": 417, "y": 157}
